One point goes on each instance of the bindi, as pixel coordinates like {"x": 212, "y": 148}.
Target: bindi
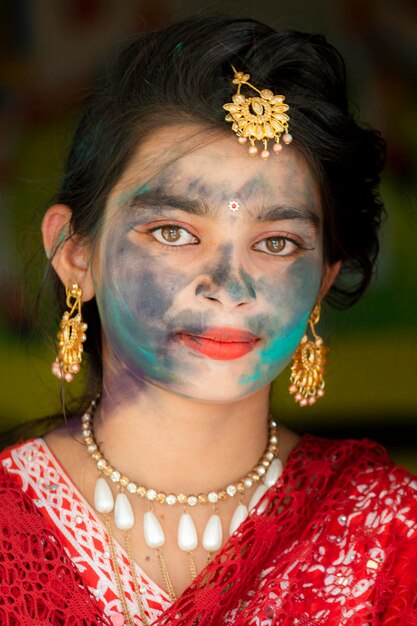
{"x": 233, "y": 205}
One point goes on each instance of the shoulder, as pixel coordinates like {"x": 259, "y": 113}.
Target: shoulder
{"x": 350, "y": 459}
{"x": 17, "y": 455}
{"x": 341, "y": 459}
{"x": 359, "y": 475}
{"x": 14, "y": 463}
{"x": 18, "y": 513}
{"x": 34, "y": 559}
{"x": 342, "y": 451}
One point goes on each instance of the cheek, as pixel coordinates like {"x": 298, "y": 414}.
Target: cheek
{"x": 135, "y": 292}
{"x": 291, "y": 294}
{"x": 295, "y": 294}
{"x": 290, "y": 297}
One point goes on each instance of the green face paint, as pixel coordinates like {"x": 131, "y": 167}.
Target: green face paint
{"x": 185, "y": 286}
{"x": 63, "y": 234}
{"x": 276, "y": 355}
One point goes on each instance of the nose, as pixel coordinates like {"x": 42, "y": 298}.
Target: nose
{"x": 226, "y": 285}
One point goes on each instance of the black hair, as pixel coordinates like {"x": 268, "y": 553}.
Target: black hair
{"x": 183, "y": 72}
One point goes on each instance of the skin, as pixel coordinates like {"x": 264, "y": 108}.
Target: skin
{"x": 220, "y": 274}
{"x": 258, "y": 269}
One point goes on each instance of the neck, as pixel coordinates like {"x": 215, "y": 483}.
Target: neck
{"x": 176, "y": 444}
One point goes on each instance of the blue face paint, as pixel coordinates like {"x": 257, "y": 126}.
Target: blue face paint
{"x": 150, "y": 293}
{"x": 63, "y": 233}
{"x": 290, "y": 296}
{"x": 276, "y": 355}
{"x": 132, "y": 307}
{"x": 239, "y": 284}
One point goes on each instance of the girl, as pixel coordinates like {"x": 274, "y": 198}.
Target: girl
{"x": 216, "y": 193}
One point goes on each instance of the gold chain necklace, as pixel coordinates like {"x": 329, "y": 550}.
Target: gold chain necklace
{"x": 265, "y": 473}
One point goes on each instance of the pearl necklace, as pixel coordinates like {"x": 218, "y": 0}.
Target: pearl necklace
{"x": 266, "y": 472}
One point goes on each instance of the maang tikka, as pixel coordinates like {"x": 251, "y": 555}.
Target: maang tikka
{"x": 307, "y": 370}
{"x": 70, "y": 337}
{"x": 260, "y": 118}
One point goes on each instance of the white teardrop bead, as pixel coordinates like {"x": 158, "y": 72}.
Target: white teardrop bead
{"x": 262, "y": 507}
{"x": 123, "y": 513}
{"x": 213, "y": 534}
{"x": 187, "y": 534}
{"x": 152, "y": 529}
{"x": 239, "y": 516}
{"x": 273, "y": 473}
{"x": 103, "y": 497}
{"x": 257, "y": 495}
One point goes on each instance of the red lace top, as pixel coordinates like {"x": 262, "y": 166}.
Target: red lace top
{"x": 334, "y": 542}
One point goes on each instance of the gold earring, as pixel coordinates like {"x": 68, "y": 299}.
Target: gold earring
{"x": 307, "y": 370}
{"x": 70, "y": 337}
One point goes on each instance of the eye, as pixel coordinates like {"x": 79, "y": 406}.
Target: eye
{"x": 173, "y": 235}
{"x": 278, "y": 246}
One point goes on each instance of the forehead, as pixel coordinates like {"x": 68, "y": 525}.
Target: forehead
{"x": 191, "y": 160}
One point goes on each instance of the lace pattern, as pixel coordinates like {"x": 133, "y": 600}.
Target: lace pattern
{"x": 83, "y": 535}
{"x": 39, "y": 586}
{"x": 333, "y": 543}
{"x": 335, "y": 537}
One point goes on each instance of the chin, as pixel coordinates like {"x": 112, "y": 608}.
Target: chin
{"x": 218, "y": 392}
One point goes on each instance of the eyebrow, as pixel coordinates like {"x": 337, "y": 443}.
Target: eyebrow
{"x": 198, "y": 206}
{"x": 156, "y": 199}
{"x": 290, "y": 213}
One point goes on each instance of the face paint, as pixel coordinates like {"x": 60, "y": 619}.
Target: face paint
{"x": 234, "y": 205}
{"x": 286, "y": 328}
{"x": 63, "y": 234}
{"x": 195, "y": 299}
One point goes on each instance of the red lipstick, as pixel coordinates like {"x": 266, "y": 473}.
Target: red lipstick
{"x": 221, "y": 343}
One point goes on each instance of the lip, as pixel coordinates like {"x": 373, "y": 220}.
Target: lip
{"x": 221, "y": 344}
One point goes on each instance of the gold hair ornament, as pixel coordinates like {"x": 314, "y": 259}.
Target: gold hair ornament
{"x": 260, "y": 118}
{"x": 70, "y": 337}
{"x": 307, "y": 370}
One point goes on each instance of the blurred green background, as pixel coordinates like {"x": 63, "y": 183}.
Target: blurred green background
{"x": 51, "y": 50}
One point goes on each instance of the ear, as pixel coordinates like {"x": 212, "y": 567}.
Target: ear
{"x": 330, "y": 273}
{"x": 70, "y": 254}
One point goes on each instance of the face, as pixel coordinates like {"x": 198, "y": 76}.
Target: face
{"x": 206, "y": 270}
